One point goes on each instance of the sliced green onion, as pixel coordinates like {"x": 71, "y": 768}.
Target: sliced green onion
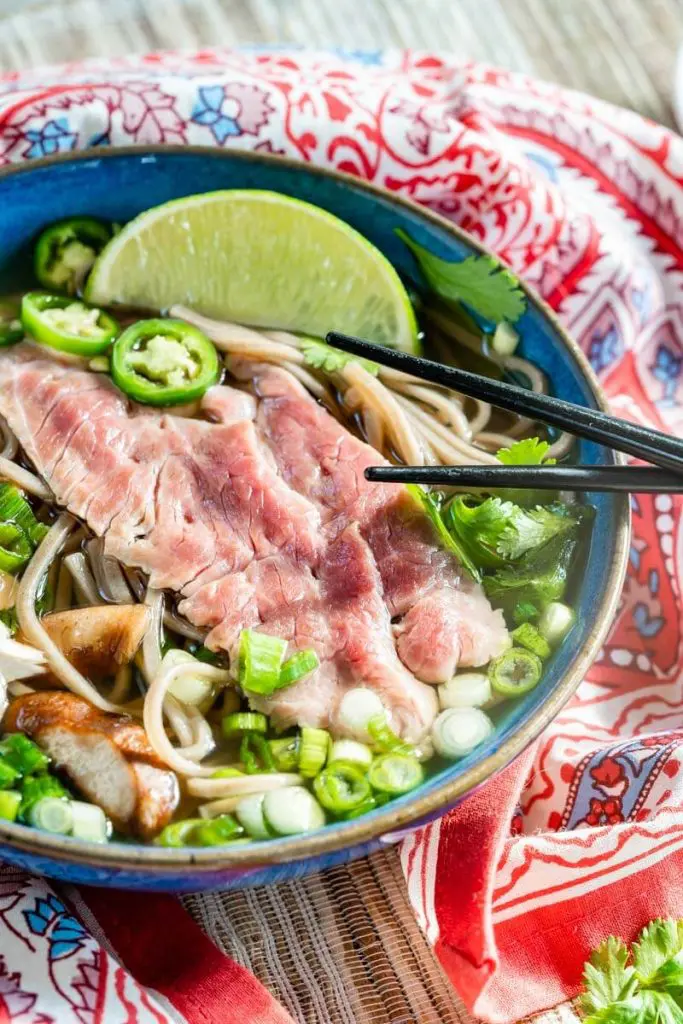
{"x": 255, "y": 754}
{"x": 291, "y": 811}
{"x": 8, "y": 775}
{"x": 395, "y": 773}
{"x": 38, "y": 787}
{"x": 529, "y": 637}
{"x": 356, "y": 708}
{"x": 373, "y": 801}
{"x": 244, "y": 721}
{"x": 217, "y": 831}
{"x": 285, "y": 753}
{"x": 178, "y": 833}
{"x": 249, "y": 813}
{"x": 9, "y": 804}
{"x": 313, "y": 751}
{"x": 341, "y": 787}
{"x": 457, "y": 731}
{"x": 22, "y": 754}
{"x": 227, "y": 773}
{"x": 515, "y": 672}
{"x": 89, "y": 822}
{"x": 299, "y": 665}
{"x": 467, "y": 690}
{"x": 260, "y": 661}
{"x": 384, "y": 738}
{"x": 350, "y": 751}
{"x": 555, "y": 622}
{"x": 52, "y": 814}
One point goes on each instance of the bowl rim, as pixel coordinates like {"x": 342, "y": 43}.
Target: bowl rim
{"x": 384, "y": 824}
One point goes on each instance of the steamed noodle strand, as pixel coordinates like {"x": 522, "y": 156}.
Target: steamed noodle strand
{"x": 10, "y": 445}
{"x": 22, "y": 478}
{"x": 30, "y": 624}
{"x": 153, "y": 715}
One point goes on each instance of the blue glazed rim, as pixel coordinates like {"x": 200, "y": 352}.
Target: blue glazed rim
{"x": 440, "y": 793}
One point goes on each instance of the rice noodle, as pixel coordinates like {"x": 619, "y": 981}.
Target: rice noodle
{"x": 64, "y": 588}
{"x": 217, "y": 807}
{"x": 377, "y": 397}
{"x": 10, "y": 445}
{"x": 109, "y": 577}
{"x": 31, "y": 627}
{"x": 151, "y": 645}
{"x": 83, "y": 580}
{"x": 22, "y": 478}
{"x": 241, "y": 785}
{"x": 153, "y": 714}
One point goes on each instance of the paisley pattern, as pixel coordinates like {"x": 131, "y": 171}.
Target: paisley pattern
{"x": 585, "y": 202}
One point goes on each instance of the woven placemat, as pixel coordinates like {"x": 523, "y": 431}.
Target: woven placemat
{"x": 344, "y": 947}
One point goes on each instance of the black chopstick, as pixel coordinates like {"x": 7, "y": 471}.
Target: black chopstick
{"x": 649, "y": 445}
{"x": 633, "y": 479}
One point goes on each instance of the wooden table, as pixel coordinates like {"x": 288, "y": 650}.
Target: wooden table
{"x": 344, "y": 948}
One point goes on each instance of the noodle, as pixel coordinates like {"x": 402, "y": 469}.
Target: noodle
{"x": 151, "y": 645}
{"x": 11, "y": 445}
{"x": 31, "y": 627}
{"x": 153, "y": 712}
{"x": 22, "y": 478}
{"x": 243, "y": 785}
{"x": 84, "y": 584}
{"x": 379, "y": 398}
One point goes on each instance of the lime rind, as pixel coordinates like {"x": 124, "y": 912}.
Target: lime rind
{"x": 259, "y": 258}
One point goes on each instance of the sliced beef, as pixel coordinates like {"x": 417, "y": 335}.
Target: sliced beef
{"x": 318, "y": 457}
{"x": 106, "y": 757}
{"x": 258, "y": 514}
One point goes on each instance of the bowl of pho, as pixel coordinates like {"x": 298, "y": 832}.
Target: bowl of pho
{"x": 226, "y": 658}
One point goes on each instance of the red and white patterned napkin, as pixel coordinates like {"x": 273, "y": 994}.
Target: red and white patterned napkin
{"x": 583, "y": 836}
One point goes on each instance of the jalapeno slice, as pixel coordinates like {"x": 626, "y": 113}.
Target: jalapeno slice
{"x": 11, "y": 330}
{"x": 67, "y": 324}
{"x": 66, "y": 251}
{"x": 164, "y": 362}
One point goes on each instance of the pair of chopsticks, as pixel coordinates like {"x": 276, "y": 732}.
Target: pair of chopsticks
{"x": 665, "y": 475}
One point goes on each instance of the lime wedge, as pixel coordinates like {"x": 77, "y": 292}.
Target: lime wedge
{"x": 257, "y": 258}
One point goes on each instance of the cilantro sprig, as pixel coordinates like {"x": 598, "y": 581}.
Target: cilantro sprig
{"x": 323, "y": 357}
{"x": 481, "y": 282}
{"x": 643, "y": 985}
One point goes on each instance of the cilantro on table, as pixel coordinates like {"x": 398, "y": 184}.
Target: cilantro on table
{"x": 643, "y": 985}
{"x": 323, "y": 357}
{"x": 481, "y": 282}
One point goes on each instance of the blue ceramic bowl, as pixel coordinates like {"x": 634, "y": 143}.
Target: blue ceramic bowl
{"x": 117, "y": 185}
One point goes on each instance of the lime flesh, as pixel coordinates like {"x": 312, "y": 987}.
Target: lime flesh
{"x": 257, "y": 258}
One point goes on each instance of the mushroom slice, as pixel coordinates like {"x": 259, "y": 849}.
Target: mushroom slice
{"x": 100, "y": 639}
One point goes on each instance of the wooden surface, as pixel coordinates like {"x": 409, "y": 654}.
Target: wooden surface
{"x": 344, "y": 948}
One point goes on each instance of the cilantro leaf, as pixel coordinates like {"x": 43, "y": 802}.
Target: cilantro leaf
{"x": 538, "y": 577}
{"x": 431, "y": 506}
{"x": 659, "y": 942}
{"x": 482, "y": 282}
{"x": 479, "y": 525}
{"x": 644, "y": 986}
{"x": 606, "y": 976}
{"x": 330, "y": 360}
{"x": 532, "y": 528}
{"x": 529, "y": 452}
{"x": 641, "y": 1008}
{"x": 495, "y": 531}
